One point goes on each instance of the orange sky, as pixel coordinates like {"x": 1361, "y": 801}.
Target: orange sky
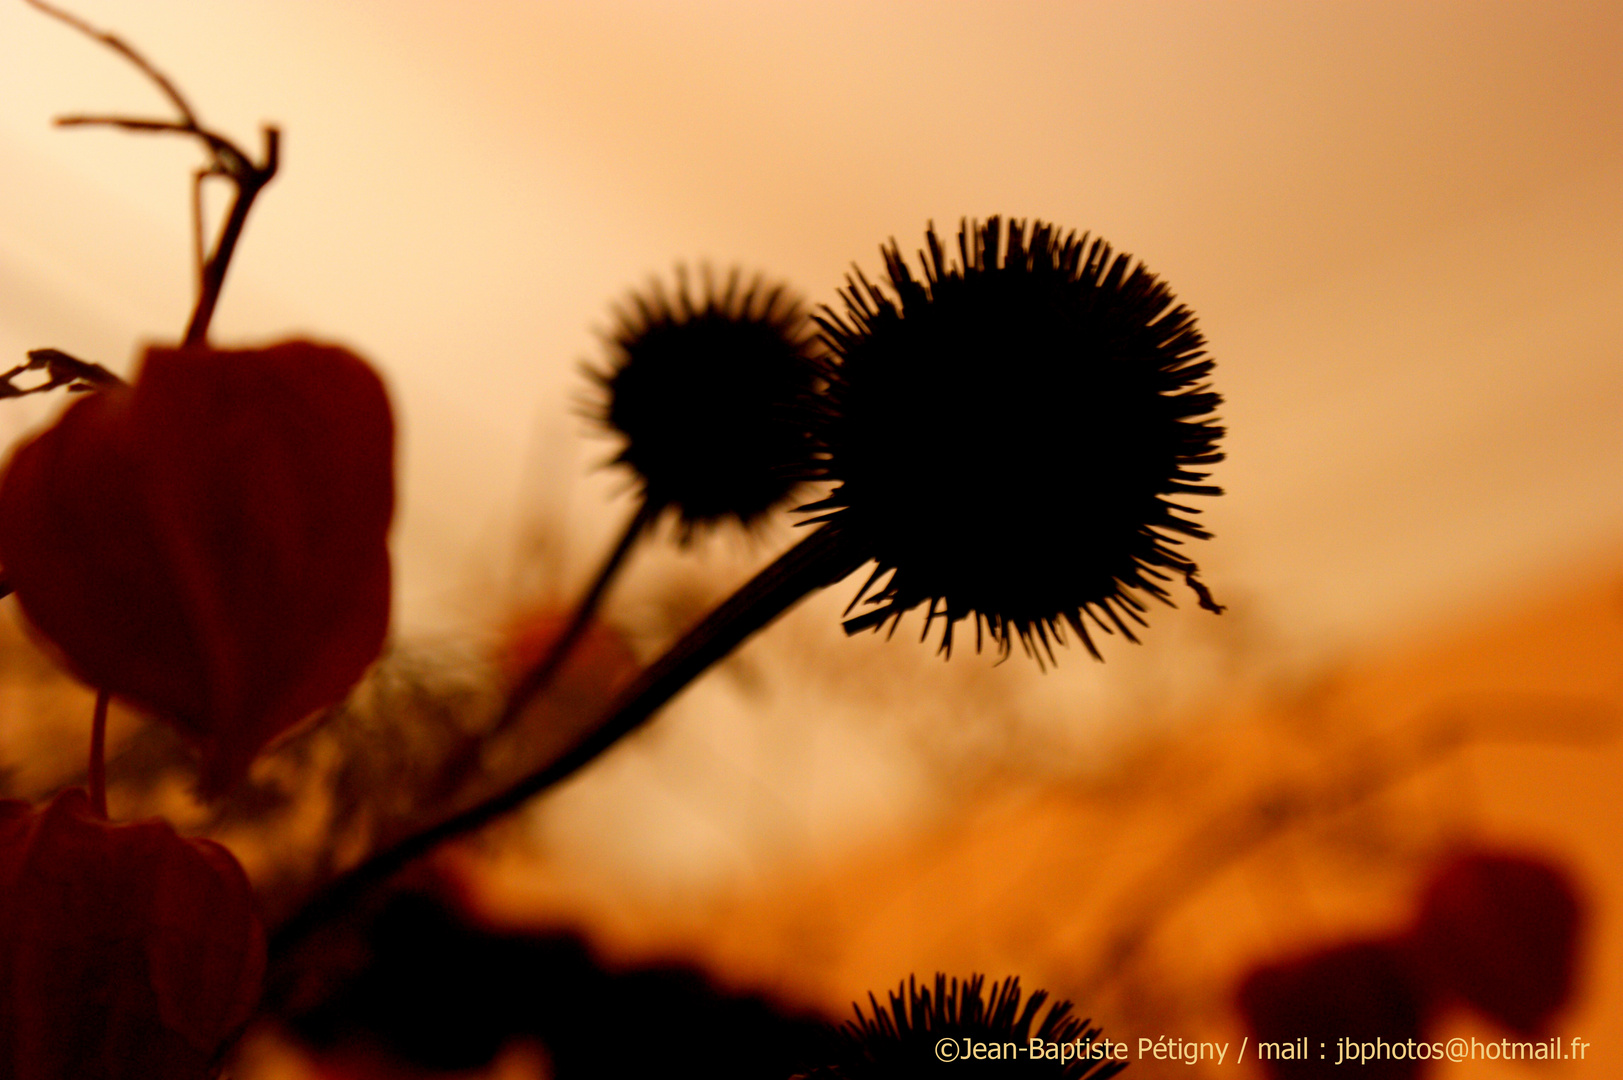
{"x": 1399, "y": 224}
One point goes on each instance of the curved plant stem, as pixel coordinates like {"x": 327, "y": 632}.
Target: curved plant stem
{"x": 541, "y": 674}
{"x": 98, "y": 755}
{"x": 819, "y": 560}
{"x": 249, "y": 179}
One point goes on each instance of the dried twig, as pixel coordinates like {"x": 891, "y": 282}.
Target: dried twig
{"x": 61, "y": 369}
{"x": 225, "y": 159}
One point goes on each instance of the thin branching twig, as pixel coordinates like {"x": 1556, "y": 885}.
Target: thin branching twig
{"x": 61, "y": 369}
{"x": 225, "y": 159}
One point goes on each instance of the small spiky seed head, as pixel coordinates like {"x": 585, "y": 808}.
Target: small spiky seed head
{"x": 707, "y": 396}
{"x": 922, "y": 1034}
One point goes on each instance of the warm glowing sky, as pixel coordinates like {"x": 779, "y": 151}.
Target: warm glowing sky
{"x": 1401, "y": 225}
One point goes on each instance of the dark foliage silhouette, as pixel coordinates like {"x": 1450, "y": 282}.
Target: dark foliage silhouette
{"x": 440, "y": 993}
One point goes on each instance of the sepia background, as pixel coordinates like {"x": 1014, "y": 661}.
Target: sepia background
{"x": 1401, "y": 228}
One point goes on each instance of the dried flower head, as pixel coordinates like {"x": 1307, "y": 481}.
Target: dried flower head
{"x": 705, "y": 395}
{"x": 925, "y": 1033}
{"x": 1009, "y": 435}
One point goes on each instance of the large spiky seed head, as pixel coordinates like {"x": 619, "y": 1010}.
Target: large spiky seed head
{"x": 1013, "y": 436}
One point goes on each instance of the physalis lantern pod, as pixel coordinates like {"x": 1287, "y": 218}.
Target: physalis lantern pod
{"x": 210, "y": 543}
{"x": 1500, "y": 932}
{"x": 125, "y": 950}
{"x": 1356, "y": 992}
